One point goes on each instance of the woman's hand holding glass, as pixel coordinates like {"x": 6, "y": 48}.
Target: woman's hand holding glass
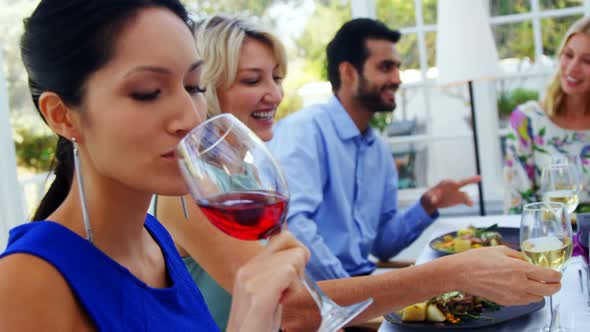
{"x": 242, "y": 191}
{"x": 266, "y": 280}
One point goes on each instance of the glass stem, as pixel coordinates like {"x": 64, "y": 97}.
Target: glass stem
{"x": 333, "y": 316}
{"x": 550, "y": 327}
{"x": 315, "y": 291}
{"x": 554, "y": 323}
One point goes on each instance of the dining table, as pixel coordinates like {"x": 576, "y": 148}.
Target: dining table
{"x": 573, "y": 298}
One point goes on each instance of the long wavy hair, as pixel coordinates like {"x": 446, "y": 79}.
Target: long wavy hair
{"x": 554, "y": 99}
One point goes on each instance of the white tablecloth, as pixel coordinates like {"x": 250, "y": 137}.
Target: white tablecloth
{"x": 575, "y": 314}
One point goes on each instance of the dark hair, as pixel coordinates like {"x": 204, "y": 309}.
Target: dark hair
{"x": 349, "y": 45}
{"x": 64, "y": 42}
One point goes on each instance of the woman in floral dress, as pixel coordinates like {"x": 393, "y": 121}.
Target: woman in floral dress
{"x": 560, "y": 125}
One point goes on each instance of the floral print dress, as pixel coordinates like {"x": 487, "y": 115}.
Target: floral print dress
{"x": 532, "y": 140}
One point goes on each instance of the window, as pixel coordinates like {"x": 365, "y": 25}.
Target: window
{"x": 527, "y": 35}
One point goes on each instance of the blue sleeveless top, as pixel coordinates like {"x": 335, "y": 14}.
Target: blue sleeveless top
{"x": 115, "y": 299}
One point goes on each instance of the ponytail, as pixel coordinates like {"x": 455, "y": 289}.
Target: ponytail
{"x": 64, "y": 174}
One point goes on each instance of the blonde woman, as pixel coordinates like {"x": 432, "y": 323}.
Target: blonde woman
{"x": 560, "y": 125}
{"x": 243, "y": 72}
{"x": 244, "y": 66}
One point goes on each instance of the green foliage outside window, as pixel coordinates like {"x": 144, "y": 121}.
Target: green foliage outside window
{"x": 509, "y": 7}
{"x": 380, "y": 121}
{"x": 558, "y": 4}
{"x": 35, "y": 144}
{"x": 553, "y": 30}
{"x": 515, "y": 40}
{"x": 508, "y": 100}
{"x": 306, "y": 53}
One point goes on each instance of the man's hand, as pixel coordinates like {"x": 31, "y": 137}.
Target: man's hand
{"x": 447, "y": 193}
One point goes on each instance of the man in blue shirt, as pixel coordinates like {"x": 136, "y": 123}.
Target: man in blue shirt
{"x": 342, "y": 177}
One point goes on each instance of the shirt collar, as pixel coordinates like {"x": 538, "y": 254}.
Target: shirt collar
{"x": 344, "y": 125}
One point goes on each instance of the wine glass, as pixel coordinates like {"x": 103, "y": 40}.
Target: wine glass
{"x": 546, "y": 240}
{"x": 560, "y": 182}
{"x": 576, "y": 162}
{"x": 241, "y": 189}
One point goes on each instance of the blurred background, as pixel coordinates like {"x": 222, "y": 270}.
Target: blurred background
{"x": 430, "y": 131}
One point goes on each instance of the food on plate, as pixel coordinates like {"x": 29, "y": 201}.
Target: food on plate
{"x": 434, "y": 314}
{"x": 450, "y": 308}
{"x": 422, "y": 311}
{"x": 415, "y": 312}
{"x": 469, "y": 238}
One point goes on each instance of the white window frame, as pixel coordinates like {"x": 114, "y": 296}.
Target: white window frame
{"x": 485, "y": 93}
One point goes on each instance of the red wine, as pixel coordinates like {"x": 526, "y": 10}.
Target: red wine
{"x": 246, "y": 215}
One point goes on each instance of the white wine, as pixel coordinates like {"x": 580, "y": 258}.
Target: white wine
{"x": 548, "y": 251}
{"x": 568, "y": 197}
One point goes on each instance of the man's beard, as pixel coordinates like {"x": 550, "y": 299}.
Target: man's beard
{"x": 371, "y": 98}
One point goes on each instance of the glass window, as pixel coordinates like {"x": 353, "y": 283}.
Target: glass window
{"x": 508, "y": 7}
{"x": 553, "y": 30}
{"x": 514, "y": 40}
{"x": 34, "y": 141}
{"x": 397, "y": 13}
{"x": 512, "y": 92}
{"x": 11, "y": 18}
{"x": 411, "y": 160}
{"x": 411, "y": 106}
{"x": 408, "y": 50}
{"x": 306, "y": 30}
{"x": 430, "y": 48}
{"x": 429, "y": 9}
{"x": 444, "y": 150}
{"x": 558, "y": 4}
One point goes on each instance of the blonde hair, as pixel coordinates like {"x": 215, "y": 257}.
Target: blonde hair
{"x": 553, "y": 102}
{"x": 219, "y": 40}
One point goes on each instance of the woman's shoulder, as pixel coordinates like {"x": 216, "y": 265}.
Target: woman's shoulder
{"x": 531, "y": 109}
{"x": 35, "y": 296}
{"x": 529, "y": 115}
{"x": 27, "y": 274}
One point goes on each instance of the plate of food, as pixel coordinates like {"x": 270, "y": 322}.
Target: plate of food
{"x": 474, "y": 237}
{"x": 457, "y": 310}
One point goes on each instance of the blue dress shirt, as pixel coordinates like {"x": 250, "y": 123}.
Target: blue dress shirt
{"x": 343, "y": 187}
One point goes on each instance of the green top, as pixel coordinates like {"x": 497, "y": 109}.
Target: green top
{"x": 218, "y": 299}
{"x": 235, "y": 182}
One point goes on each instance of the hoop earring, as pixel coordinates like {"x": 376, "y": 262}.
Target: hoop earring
{"x": 78, "y": 171}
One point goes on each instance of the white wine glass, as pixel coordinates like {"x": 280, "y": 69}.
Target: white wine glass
{"x": 572, "y": 159}
{"x": 560, "y": 182}
{"x": 546, "y": 240}
{"x": 576, "y": 161}
{"x": 241, "y": 189}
